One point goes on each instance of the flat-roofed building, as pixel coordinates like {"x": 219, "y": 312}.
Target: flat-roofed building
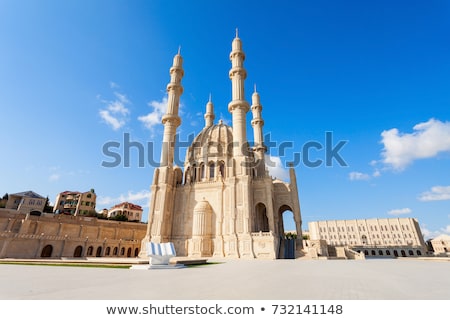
{"x": 441, "y": 244}
{"x": 374, "y": 237}
{"x": 76, "y": 203}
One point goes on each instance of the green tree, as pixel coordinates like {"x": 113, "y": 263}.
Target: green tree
{"x": 120, "y": 217}
{"x": 48, "y": 208}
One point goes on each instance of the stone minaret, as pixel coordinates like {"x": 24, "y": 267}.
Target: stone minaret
{"x": 209, "y": 115}
{"x": 171, "y": 120}
{"x": 257, "y": 123}
{"x": 238, "y": 106}
{"x": 160, "y": 213}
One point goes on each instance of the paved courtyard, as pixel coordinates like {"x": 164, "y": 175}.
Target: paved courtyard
{"x": 401, "y": 279}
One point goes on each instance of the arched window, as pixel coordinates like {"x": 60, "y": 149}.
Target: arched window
{"x": 388, "y": 253}
{"x": 107, "y": 251}
{"x": 90, "y": 250}
{"x": 261, "y": 222}
{"x": 47, "y": 251}
{"x": 403, "y": 253}
{"x": 212, "y": 169}
{"x": 122, "y": 251}
{"x": 99, "y": 252}
{"x": 136, "y": 252}
{"x": 129, "y": 252}
{"x": 419, "y": 253}
{"x": 115, "y": 251}
{"x": 395, "y": 253}
{"x": 366, "y": 252}
{"x": 374, "y": 253}
{"x": 78, "y": 252}
{"x": 380, "y": 252}
{"x": 411, "y": 253}
{"x": 194, "y": 173}
{"x": 202, "y": 171}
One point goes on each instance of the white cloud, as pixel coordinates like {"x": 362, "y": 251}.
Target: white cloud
{"x": 447, "y": 229}
{"x": 276, "y": 168}
{"x": 429, "y": 234}
{"x": 396, "y": 212}
{"x": 113, "y": 85}
{"x": 141, "y": 198}
{"x": 428, "y": 139}
{"x": 358, "y": 176}
{"x": 376, "y": 173}
{"x": 115, "y": 113}
{"x": 111, "y": 120}
{"x": 154, "y": 118}
{"x": 437, "y": 193}
{"x": 54, "y": 177}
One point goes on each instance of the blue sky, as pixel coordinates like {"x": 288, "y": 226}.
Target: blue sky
{"x": 77, "y": 75}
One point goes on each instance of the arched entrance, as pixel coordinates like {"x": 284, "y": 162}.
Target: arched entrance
{"x": 99, "y": 252}
{"x": 47, "y": 251}
{"x": 78, "y": 252}
{"x": 287, "y": 233}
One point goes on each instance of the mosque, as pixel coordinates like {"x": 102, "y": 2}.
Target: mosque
{"x": 223, "y": 203}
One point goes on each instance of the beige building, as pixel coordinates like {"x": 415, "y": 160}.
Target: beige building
{"x": 26, "y": 202}
{"x": 133, "y": 212}
{"x": 374, "y": 237}
{"x": 223, "y": 203}
{"x": 54, "y": 236}
{"x": 76, "y": 203}
{"x": 441, "y": 245}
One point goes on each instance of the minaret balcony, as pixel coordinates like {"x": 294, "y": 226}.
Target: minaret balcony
{"x": 238, "y": 104}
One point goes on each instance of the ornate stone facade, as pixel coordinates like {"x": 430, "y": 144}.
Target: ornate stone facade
{"x": 223, "y": 203}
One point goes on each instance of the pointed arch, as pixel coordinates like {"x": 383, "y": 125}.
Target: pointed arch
{"x": 202, "y": 171}
{"x": 287, "y": 243}
{"x": 261, "y": 221}
{"x": 212, "y": 169}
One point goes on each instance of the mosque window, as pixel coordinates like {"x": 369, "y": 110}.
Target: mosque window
{"x": 211, "y": 170}
{"x": 194, "y": 172}
{"x": 202, "y": 171}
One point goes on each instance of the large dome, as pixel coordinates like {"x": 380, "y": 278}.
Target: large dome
{"x": 212, "y": 143}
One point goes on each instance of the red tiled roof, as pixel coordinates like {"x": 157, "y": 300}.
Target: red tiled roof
{"x": 70, "y": 192}
{"x": 131, "y": 206}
